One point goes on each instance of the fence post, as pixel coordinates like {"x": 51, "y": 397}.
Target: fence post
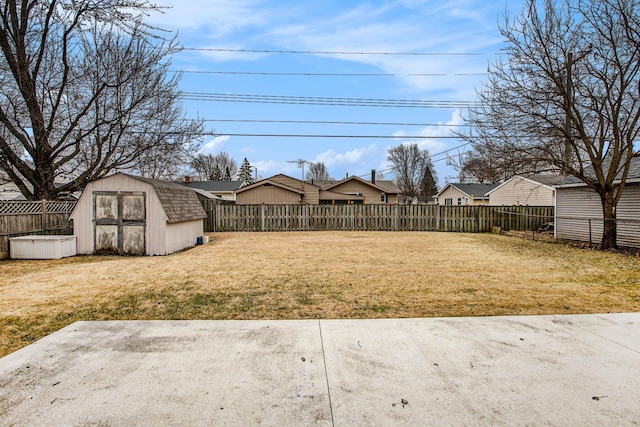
{"x": 44, "y": 224}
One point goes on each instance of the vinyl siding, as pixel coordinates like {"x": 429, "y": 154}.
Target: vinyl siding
{"x": 575, "y": 206}
{"x": 182, "y": 235}
{"x": 454, "y": 193}
{"x": 522, "y": 192}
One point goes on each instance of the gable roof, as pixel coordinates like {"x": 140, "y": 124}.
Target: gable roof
{"x": 270, "y": 181}
{"x": 544, "y": 180}
{"x": 633, "y": 177}
{"x": 384, "y": 186}
{"x": 473, "y": 190}
{"x": 214, "y": 186}
{"x": 179, "y": 203}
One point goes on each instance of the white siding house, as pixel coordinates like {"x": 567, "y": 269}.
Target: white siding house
{"x": 455, "y": 194}
{"x": 132, "y": 215}
{"x": 534, "y": 190}
{"x": 579, "y": 211}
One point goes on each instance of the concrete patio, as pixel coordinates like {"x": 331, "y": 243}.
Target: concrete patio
{"x": 526, "y": 370}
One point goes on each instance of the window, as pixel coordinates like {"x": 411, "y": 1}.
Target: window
{"x": 459, "y": 201}
{"x": 448, "y": 201}
{"x": 383, "y": 198}
{"x": 466, "y": 200}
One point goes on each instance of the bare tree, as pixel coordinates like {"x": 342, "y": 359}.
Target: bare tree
{"x": 409, "y": 164}
{"x": 86, "y": 90}
{"x": 318, "y": 172}
{"x": 567, "y": 93}
{"x": 219, "y": 167}
{"x": 488, "y": 162}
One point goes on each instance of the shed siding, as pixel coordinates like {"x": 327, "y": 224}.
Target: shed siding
{"x": 371, "y": 195}
{"x": 83, "y": 213}
{"x": 182, "y": 235}
{"x": 520, "y": 191}
{"x": 270, "y": 195}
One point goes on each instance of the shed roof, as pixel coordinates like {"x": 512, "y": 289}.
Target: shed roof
{"x": 179, "y": 203}
{"x": 213, "y": 186}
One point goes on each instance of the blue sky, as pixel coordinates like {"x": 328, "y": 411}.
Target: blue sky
{"x": 231, "y": 50}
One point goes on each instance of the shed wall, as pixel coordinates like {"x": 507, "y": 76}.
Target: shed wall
{"x": 83, "y": 227}
{"x": 520, "y": 191}
{"x": 182, "y": 235}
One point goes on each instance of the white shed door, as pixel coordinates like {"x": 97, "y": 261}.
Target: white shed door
{"x": 120, "y": 222}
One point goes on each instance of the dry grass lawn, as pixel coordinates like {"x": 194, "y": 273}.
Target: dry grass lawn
{"x": 317, "y": 275}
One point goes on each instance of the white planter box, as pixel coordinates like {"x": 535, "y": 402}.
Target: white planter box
{"x": 42, "y": 247}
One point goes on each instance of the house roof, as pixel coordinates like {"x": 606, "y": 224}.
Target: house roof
{"x": 382, "y": 185}
{"x": 476, "y": 191}
{"x": 634, "y": 174}
{"x": 214, "y": 186}
{"x": 544, "y": 180}
{"x": 179, "y": 203}
{"x": 270, "y": 181}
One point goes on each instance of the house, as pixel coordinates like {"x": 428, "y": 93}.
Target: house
{"x": 278, "y": 190}
{"x": 579, "y": 210}
{"x": 458, "y": 194}
{"x": 128, "y": 214}
{"x": 222, "y": 190}
{"x": 9, "y": 191}
{"x": 532, "y": 190}
{"x": 372, "y": 192}
{"x": 283, "y": 189}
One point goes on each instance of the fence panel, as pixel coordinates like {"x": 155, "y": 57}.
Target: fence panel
{"x": 382, "y": 217}
{"x": 43, "y": 217}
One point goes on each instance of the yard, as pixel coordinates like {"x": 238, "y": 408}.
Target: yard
{"x": 311, "y": 275}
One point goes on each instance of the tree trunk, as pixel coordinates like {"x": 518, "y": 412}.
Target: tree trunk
{"x": 609, "y": 232}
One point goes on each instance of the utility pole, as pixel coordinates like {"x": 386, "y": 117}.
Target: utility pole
{"x": 568, "y": 104}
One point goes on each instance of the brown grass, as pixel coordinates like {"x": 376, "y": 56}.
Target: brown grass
{"x": 317, "y": 275}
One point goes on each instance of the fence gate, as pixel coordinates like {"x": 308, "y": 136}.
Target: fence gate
{"x": 120, "y": 222}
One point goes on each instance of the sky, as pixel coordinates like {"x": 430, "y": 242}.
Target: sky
{"x": 334, "y": 81}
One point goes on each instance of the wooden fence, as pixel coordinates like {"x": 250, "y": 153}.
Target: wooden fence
{"x": 22, "y": 218}
{"x": 471, "y": 219}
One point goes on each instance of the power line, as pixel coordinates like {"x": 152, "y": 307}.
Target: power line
{"x": 280, "y": 135}
{"x": 310, "y": 74}
{"x": 309, "y": 100}
{"x": 323, "y": 52}
{"x": 328, "y": 122}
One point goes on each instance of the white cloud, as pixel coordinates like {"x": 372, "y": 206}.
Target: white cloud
{"x": 220, "y": 16}
{"x": 214, "y": 145}
{"x": 331, "y": 158}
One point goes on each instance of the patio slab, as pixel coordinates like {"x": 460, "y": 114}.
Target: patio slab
{"x": 522, "y": 370}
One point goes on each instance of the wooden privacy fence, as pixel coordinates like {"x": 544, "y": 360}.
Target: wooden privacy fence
{"x": 471, "y": 219}
{"x": 22, "y": 218}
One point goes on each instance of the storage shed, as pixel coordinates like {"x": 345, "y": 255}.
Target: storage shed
{"x": 127, "y": 214}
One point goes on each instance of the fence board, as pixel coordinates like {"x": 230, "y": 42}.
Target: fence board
{"x": 471, "y": 219}
{"x": 23, "y": 218}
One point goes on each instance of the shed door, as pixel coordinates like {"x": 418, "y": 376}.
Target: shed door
{"x": 120, "y": 222}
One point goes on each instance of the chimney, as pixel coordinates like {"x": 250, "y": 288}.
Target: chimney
{"x": 187, "y": 179}
{"x": 373, "y": 176}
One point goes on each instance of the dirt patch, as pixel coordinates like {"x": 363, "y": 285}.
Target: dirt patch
{"x": 317, "y": 275}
